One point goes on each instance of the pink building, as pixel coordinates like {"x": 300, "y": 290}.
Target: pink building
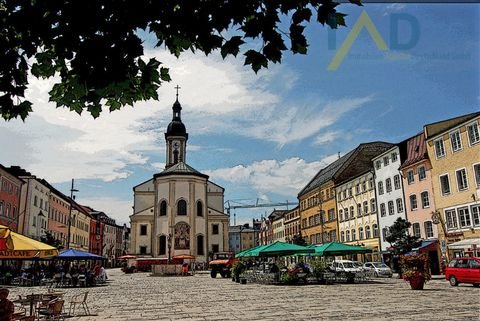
{"x": 419, "y": 200}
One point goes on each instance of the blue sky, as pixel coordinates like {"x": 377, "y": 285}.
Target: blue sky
{"x": 266, "y": 135}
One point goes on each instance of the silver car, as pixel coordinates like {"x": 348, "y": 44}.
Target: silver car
{"x": 378, "y": 269}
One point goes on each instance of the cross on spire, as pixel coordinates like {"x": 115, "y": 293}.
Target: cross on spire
{"x": 177, "y": 88}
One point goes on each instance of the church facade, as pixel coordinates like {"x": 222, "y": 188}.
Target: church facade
{"x": 178, "y": 211}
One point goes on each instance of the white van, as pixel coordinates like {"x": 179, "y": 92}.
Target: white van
{"x": 345, "y": 266}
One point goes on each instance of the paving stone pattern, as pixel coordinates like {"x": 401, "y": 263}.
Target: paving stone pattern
{"x": 142, "y": 297}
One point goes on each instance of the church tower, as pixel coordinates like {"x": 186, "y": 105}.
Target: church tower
{"x": 176, "y": 137}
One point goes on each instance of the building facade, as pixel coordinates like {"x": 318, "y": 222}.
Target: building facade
{"x": 389, "y": 191}
{"x": 10, "y": 198}
{"x": 79, "y": 228}
{"x": 278, "y": 227}
{"x": 179, "y": 211}
{"x": 453, "y": 147}
{"x": 357, "y": 214}
{"x": 58, "y": 216}
{"x": 292, "y": 224}
{"x": 242, "y": 237}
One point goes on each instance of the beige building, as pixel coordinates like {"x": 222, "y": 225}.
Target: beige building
{"x": 291, "y": 220}
{"x": 453, "y": 147}
{"x": 80, "y": 228}
{"x": 278, "y": 227}
{"x": 242, "y": 237}
{"x": 357, "y": 214}
{"x": 179, "y": 211}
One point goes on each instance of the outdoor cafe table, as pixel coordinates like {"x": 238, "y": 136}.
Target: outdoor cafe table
{"x": 34, "y": 299}
{"x": 31, "y": 300}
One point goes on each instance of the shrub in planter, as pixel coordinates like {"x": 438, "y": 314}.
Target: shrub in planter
{"x": 318, "y": 268}
{"x": 289, "y": 278}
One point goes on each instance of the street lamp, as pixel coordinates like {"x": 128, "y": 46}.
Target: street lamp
{"x": 72, "y": 190}
{"x": 437, "y": 219}
{"x": 169, "y": 243}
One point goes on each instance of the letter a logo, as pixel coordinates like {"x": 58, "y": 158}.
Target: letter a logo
{"x": 363, "y": 21}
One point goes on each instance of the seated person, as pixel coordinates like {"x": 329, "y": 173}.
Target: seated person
{"x": 6, "y": 306}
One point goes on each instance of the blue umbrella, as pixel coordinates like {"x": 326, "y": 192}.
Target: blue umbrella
{"x": 72, "y": 254}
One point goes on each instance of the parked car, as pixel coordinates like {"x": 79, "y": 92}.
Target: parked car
{"x": 463, "y": 270}
{"x": 344, "y": 266}
{"x": 378, "y": 269}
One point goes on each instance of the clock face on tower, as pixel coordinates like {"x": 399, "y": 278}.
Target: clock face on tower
{"x": 176, "y": 145}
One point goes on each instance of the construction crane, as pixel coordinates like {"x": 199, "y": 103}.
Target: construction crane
{"x": 228, "y": 206}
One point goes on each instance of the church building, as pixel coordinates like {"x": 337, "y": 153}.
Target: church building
{"x": 178, "y": 211}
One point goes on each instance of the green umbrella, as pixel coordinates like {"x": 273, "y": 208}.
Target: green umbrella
{"x": 246, "y": 253}
{"x": 334, "y": 248}
{"x": 281, "y": 249}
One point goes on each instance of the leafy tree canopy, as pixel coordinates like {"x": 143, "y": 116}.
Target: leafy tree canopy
{"x": 400, "y": 239}
{"x": 299, "y": 240}
{"x": 94, "y": 48}
{"x": 49, "y": 239}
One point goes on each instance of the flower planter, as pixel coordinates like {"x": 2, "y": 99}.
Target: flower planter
{"x": 417, "y": 283}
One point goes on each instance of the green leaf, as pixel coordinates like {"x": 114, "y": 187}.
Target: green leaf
{"x": 256, "y": 60}
{"x": 165, "y": 74}
{"x": 231, "y": 46}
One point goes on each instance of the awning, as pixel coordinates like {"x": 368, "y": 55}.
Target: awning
{"x": 425, "y": 245}
{"x": 465, "y": 244}
{"x": 17, "y": 246}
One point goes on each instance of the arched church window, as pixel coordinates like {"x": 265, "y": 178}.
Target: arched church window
{"x": 163, "y": 208}
{"x": 162, "y": 245}
{"x": 200, "y": 245}
{"x": 199, "y": 208}
{"x": 182, "y": 207}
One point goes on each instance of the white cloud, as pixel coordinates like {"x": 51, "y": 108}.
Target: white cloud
{"x": 59, "y": 144}
{"x": 288, "y": 124}
{"x": 326, "y": 137}
{"x": 285, "y": 177}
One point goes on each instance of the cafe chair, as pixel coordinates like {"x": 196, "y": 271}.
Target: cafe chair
{"x": 54, "y": 310}
{"x": 80, "y": 299}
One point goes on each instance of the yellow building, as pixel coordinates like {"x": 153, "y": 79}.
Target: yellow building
{"x": 453, "y": 147}
{"x": 80, "y": 228}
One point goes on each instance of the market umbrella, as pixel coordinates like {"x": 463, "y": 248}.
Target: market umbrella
{"x": 17, "y": 246}
{"x": 72, "y": 254}
{"x": 280, "y": 249}
{"x": 127, "y": 257}
{"x": 334, "y": 248}
{"x": 248, "y": 252}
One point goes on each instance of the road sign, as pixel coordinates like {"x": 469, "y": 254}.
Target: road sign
{"x": 443, "y": 245}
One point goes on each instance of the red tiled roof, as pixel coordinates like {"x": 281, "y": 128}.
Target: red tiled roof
{"x": 416, "y": 150}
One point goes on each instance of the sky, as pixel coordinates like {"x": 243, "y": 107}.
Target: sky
{"x": 263, "y": 136}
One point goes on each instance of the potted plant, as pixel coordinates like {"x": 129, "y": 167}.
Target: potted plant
{"x": 318, "y": 267}
{"x": 415, "y": 270}
{"x": 289, "y": 277}
{"x": 237, "y": 269}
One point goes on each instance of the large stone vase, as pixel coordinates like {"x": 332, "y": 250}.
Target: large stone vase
{"x": 417, "y": 283}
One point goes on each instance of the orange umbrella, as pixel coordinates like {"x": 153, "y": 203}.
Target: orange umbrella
{"x": 17, "y": 246}
{"x": 184, "y": 257}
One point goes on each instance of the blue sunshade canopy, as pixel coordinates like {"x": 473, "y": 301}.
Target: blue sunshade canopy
{"x": 72, "y": 254}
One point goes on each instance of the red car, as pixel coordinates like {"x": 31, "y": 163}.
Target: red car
{"x": 463, "y": 270}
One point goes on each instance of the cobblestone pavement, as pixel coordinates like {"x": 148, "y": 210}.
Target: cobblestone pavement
{"x": 142, "y": 297}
